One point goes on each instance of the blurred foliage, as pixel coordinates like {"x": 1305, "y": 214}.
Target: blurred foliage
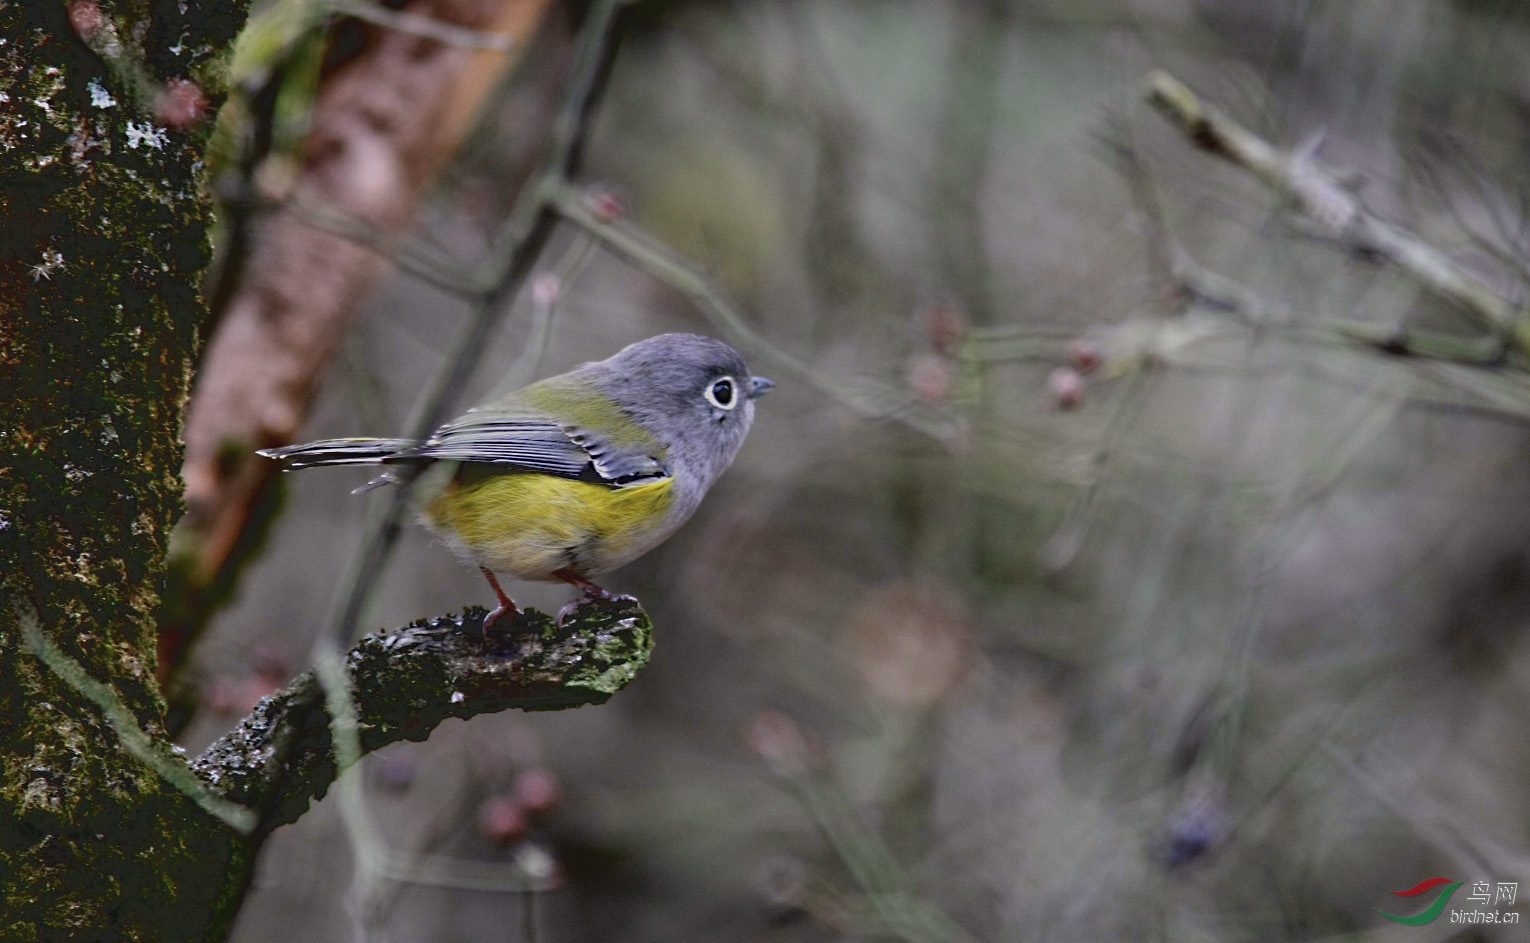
{"x": 1215, "y": 635}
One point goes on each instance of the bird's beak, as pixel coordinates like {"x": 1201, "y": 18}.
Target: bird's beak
{"x": 760, "y": 387}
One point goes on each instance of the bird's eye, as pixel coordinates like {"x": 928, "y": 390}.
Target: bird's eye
{"x": 723, "y": 393}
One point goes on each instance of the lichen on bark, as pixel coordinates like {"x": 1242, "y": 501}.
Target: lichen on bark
{"x": 102, "y": 239}
{"x": 404, "y": 683}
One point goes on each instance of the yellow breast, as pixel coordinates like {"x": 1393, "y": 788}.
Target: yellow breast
{"x": 528, "y": 525}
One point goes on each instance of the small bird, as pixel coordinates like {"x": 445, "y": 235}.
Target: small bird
{"x": 577, "y": 474}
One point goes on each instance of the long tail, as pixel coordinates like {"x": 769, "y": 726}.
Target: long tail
{"x": 338, "y": 452}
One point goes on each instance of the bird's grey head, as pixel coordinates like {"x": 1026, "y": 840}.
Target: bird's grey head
{"x": 695, "y": 394}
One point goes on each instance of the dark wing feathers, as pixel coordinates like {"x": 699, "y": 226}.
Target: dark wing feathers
{"x": 536, "y": 445}
{"x": 618, "y": 464}
{"x": 532, "y": 444}
{"x": 493, "y": 438}
{"x": 337, "y": 452}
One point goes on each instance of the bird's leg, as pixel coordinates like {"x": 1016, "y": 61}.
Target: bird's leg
{"x": 506, "y": 605}
{"x": 574, "y": 579}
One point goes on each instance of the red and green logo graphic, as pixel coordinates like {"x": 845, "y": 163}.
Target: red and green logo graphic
{"x": 1430, "y": 913}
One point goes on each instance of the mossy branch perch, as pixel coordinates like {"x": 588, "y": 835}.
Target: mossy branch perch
{"x": 403, "y": 684}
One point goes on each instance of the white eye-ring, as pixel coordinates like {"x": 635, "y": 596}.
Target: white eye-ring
{"x": 723, "y": 393}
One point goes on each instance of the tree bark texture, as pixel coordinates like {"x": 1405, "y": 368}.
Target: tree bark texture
{"x": 102, "y": 239}
{"x": 405, "y": 683}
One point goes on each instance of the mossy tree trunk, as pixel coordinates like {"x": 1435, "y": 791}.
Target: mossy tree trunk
{"x": 103, "y": 235}
{"x": 102, "y": 239}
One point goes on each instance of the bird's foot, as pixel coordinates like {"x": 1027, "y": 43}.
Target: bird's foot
{"x": 590, "y": 590}
{"x": 590, "y": 595}
{"x": 506, "y": 608}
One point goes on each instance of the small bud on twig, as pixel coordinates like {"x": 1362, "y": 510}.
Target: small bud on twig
{"x": 537, "y": 790}
{"x": 930, "y": 377}
{"x": 501, "y": 819}
{"x": 945, "y": 326}
{"x": 1066, "y": 386}
{"x": 781, "y": 743}
{"x": 1085, "y": 355}
{"x": 605, "y": 203}
{"x": 545, "y": 289}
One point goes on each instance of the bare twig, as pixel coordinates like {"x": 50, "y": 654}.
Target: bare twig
{"x": 1319, "y": 195}
{"x": 531, "y": 223}
{"x": 300, "y": 286}
{"x": 1063, "y": 547}
{"x": 1173, "y": 266}
{"x": 1436, "y": 823}
{"x": 1215, "y": 290}
{"x": 1121, "y": 148}
{"x": 427, "y": 26}
{"x": 1505, "y": 244}
{"x": 525, "y": 235}
{"x": 887, "y": 902}
{"x": 441, "y": 274}
{"x": 663, "y": 263}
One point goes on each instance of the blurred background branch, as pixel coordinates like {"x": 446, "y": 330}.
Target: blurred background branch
{"x": 1125, "y": 552}
{"x": 282, "y": 310}
{"x": 1318, "y": 194}
{"x": 866, "y": 397}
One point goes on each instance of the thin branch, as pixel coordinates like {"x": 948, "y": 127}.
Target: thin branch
{"x": 1063, "y": 547}
{"x": 440, "y": 274}
{"x": 889, "y": 903}
{"x": 429, "y": 27}
{"x": 1320, "y": 196}
{"x": 546, "y": 291}
{"x": 402, "y": 684}
{"x": 1121, "y": 148}
{"x": 346, "y": 731}
{"x": 1435, "y": 822}
{"x": 1509, "y": 250}
{"x": 664, "y": 264}
{"x": 291, "y": 296}
{"x": 1173, "y": 266}
{"x": 525, "y": 235}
